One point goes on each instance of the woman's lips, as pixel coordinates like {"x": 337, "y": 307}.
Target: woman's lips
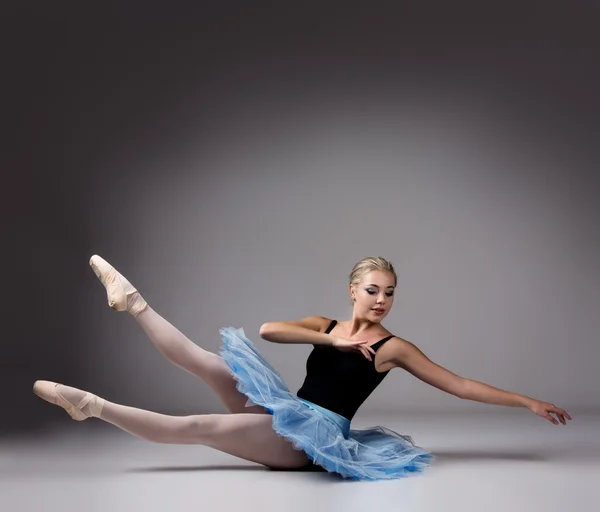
{"x": 379, "y": 311}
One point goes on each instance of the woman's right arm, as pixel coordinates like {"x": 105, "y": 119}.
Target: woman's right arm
{"x": 308, "y": 330}
{"x": 312, "y": 330}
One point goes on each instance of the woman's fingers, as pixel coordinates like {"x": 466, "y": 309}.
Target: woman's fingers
{"x": 362, "y": 347}
{"x": 563, "y": 413}
{"x": 364, "y": 352}
{"x": 560, "y": 414}
{"x": 549, "y": 411}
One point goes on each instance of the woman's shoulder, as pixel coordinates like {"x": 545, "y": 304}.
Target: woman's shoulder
{"x": 326, "y": 323}
{"x": 315, "y": 323}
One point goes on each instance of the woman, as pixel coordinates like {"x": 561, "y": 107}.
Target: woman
{"x": 268, "y": 424}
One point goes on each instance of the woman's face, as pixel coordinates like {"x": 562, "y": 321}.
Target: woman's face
{"x": 374, "y": 295}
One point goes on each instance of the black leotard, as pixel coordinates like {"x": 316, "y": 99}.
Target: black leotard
{"x": 340, "y": 381}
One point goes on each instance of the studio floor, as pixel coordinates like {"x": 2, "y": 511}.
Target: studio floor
{"x": 504, "y": 459}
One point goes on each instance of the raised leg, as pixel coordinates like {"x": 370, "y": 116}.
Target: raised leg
{"x": 182, "y": 352}
{"x": 171, "y": 342}
{"x": 248, "y": 436}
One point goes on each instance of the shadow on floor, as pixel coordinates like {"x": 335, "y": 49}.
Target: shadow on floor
{"x": 442, "y": 457}
{"x": 209, "y": 467}
{"x": 450, "y": 456}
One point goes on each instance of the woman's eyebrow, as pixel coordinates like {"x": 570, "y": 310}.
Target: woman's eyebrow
{"x": 390, "y": 286}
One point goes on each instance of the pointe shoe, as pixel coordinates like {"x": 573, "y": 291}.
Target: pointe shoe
{"x": 49, "y": 391}
{"x": 121, "y": 294}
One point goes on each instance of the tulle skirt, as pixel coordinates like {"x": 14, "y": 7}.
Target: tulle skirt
{"x": 375, "y": 453}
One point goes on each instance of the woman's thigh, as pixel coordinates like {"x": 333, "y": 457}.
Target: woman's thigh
{"x": 250, "y": 437}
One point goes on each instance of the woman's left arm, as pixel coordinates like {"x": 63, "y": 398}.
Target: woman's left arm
{"x": 406, "y": 355}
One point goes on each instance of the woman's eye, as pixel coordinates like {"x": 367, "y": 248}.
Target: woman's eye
{"x": 373, "y": 292}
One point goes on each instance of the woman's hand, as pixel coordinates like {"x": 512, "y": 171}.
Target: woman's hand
{"x": 544, "y": 409}
{"x": 353, "y": 346}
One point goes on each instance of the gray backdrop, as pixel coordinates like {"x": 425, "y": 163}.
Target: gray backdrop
{"x": 235, "y": 162}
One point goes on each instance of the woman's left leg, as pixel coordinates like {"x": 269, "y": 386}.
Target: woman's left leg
{"x": 245, "y": 435}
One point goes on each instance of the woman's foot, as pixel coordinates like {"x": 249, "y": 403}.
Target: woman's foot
{"x": 79, "y": 404}
{"x": 121, "y": 294}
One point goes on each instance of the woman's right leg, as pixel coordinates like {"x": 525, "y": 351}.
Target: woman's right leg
{"x": 182, "y": 352}
{"x": 171, "y": 342}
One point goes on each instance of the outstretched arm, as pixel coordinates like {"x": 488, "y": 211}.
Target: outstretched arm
{"x": 406, "y": 355}
{"x": 481, "y": 392}
{"x": 475, "y": 390}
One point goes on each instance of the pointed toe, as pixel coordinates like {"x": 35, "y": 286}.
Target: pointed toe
{"x": 45, "y": 390}
{"x": 120, "y": 293}
{"x": 84, "y": 407}
{"x": 116, "y": 286}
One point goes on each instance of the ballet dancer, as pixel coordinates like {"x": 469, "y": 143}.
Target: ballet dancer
{"x": 268, "y": 424}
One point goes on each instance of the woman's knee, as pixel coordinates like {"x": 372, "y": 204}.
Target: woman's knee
{"x": 198, "y": 429}
{"x": 183, "y": 430}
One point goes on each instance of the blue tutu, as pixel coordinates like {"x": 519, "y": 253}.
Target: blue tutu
{"x": 375, "y": 453}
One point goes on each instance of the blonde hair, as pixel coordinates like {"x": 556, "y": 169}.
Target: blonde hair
{"x": 369, "y": 264}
